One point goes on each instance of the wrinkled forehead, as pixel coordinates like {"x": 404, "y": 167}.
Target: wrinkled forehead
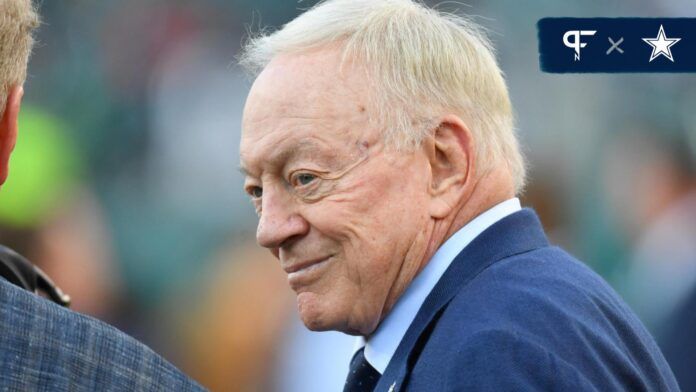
{"x": 311, "y": 84}
{"x": 305, "y": 96}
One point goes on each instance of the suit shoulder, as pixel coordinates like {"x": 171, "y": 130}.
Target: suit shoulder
{"x": 46, "y": 346}
{"x": 545, "y": 310}
{"x": 497, "y": 359}
{"x": 543, "y": 282}
{"x": 549, "y": 296}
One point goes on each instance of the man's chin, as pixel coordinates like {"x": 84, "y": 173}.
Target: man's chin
{"x": 313, "y": 312}
{"x": 319, "y": 314}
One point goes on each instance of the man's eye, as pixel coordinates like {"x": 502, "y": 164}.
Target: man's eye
{"x": 256, "y": 192}
{"x": 305, "y": 178}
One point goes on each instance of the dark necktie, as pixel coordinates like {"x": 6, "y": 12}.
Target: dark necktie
{"x": 362, "y": 377}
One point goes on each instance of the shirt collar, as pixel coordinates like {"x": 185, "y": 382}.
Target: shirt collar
{"x": 382, "y": 345}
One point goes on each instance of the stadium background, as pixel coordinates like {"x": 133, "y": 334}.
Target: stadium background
{"x": 124, "y": 185}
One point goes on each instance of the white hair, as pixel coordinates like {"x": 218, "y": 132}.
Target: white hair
{"x": 423, "y": 61}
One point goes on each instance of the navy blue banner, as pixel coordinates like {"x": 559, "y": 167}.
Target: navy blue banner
{"x": 617, "y": 45}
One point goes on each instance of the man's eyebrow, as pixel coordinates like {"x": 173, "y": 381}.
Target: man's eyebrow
{"x": 304, "y": 146}
{"x": 243, "y": 170}
{"x": 301, "y": 147}
{"x": 309, "y": 146}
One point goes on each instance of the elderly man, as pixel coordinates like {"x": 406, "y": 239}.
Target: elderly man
{"x": 379, "y": 153}
{"x": 45, "y": 347}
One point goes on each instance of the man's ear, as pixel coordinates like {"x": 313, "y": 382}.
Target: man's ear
{"x": 451, "y": 153}
{"x": 8, "y": 128}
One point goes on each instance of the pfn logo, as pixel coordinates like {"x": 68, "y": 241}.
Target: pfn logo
{"x": 576, "y": 44}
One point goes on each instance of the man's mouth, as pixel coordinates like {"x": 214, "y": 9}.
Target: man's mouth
{"x": 302, "y": 273}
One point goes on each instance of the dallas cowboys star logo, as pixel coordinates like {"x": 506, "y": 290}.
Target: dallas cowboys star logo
{"x": 661, "y": 45}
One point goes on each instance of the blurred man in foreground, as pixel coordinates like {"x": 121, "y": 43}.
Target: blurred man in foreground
{"x": 42, "y": 345}
{"x": 380, "y": 155}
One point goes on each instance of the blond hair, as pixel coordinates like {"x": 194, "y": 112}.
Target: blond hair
{"x": 422, "y": 61}
{"x": 18, "y": 19}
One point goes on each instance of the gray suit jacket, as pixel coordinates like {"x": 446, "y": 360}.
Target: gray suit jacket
{"x": 44, "y": 347}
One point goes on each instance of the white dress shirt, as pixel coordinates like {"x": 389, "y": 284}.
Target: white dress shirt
{"x": 382, "y": 345}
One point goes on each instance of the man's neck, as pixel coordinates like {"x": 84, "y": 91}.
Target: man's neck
{"x": 487, "y": 191}
{"x": 382, "y": 344}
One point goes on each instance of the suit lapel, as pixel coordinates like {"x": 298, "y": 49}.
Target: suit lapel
{"x": 517, "y": 233}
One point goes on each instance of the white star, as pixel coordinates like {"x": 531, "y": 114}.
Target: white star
{"x": 661, "y": 44}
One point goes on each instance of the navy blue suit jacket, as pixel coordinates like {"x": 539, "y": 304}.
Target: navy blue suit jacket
{"x": 44, "y": 347}
{"x": 679, "y": 343}
{"x": 512, "y": 313}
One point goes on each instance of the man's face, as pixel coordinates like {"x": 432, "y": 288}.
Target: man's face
{"x": 346, "y": 216}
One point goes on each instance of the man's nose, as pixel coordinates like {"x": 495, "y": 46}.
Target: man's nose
{"x": 279, "y": 222}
